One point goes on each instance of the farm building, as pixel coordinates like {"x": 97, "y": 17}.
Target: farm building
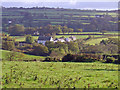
{"x": 59, "y": 39}
{"x": 72, "y": 38}
{"x": 43, "y": 39}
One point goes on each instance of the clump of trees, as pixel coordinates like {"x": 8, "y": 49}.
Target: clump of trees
{"x": 16, "y": 29}
{"x": 29, "y": 39}
{"x": 8, "y": 43}
{"x": 40, "y": 50}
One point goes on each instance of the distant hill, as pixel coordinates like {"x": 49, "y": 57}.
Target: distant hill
{"x": 88, "y": 20}
{"x": 77, "y": 5}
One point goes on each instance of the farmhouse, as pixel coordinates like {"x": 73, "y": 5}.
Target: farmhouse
{"x": 73, "y": 38}
{"x": 62, "y": 39}
{"x": 43, "y": 39}
{"x": 59, "y": 39}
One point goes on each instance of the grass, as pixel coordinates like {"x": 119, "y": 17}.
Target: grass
{"x": 22, "y": 38}
{"x": 98, "y": 40}
{"x": 95, "y": 41}
{"x": 78, "y": 36}
{"x": 92, "y": 32}
{"x": 59, "y": 75}
{"x": 25, "y": 57}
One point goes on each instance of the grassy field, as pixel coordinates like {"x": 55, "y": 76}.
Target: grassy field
{"x": 78, "y": 36}
{"x": 95, "y": 41}
{"x": 92, "y": 33}
{"x": 22, "y": 38}
{"x": 25, "y": 57}
{"x": 59, "y": 75}
{"x": 98, "y": 40}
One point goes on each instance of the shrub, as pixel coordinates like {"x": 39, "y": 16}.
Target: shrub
{"x": 40, "y": 50}
{"x": 50, "y": 59}
{"x": 81, "y": 58}
{"x": 8, "y": 45}
{"x": 68, "y": 57}
{"x": 29, "y": 39}
{"x": 110, "y": 59}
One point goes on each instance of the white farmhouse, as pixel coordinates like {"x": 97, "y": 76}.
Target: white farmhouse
{"x": 43, "y": 39}
{"x": 73, "y": 38}
{"x": 68, "y": 39}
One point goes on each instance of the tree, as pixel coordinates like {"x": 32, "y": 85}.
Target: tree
{"x": 73, "y": 47}
{"x": 49, "y": 44}
{"x": 70, "y": 30}
{"x": 65, "y": 29}
{"x": 16, "y": 29}
{"x": 29, "y": 39}
{"x": 40, "y": 50}
{"x": 62, "y": 45}
{"x": 103, "y": 31}
{"x": 57, "y": 29}
{"x": 8, "y": 45}
{"x": 30, "y": 30}
{"x": 79, "y": 30}
{"x": 57, "y": 53}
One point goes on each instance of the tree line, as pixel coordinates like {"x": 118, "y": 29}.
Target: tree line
{"x": 18, "y": 29}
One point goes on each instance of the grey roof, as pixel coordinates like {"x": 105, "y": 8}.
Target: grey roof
{"x": 44, "y": 38}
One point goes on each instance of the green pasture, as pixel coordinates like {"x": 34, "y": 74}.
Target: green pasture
{"x": 78, "y": 36}
{"x": 22, "y": 38}
{"x": 95, "y": 41}
{"x": 98, "y": 40}
{"x": 4, "y": 53}
{"x": 113, "y": 32}
{"x": 59, "y": 75}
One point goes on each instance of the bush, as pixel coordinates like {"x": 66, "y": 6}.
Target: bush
{"x": 8, "y": 45}
{"x": 110, "y": 60}
{"x": 40, "y": 50}
{"x": 29, "y": 39}
{"x": 50, "y": 59}
{"x": 79, "y": 58}
{"x": 68, "y": 57}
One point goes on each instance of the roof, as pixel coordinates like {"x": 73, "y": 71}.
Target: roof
{"x": 44, "y": 38}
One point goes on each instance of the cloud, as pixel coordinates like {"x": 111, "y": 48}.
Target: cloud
{"x": 73, "y": 2}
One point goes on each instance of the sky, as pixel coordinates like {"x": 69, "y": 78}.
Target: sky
{"x": 71, "y": 1}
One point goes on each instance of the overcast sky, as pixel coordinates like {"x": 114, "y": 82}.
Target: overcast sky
{"x": 71, "y": 1}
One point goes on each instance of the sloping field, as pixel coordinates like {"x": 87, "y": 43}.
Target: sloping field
{"x": 59, "y": 75}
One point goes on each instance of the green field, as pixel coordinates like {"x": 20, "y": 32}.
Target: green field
{"x": 92, "y": 32}
{"x": 59, "y": 75}
{"x": 95, "y": 41}
{"x": 25, "y": 57}
{"x": 98, "y": 40}
{"x": 78, "y": 36}
{"x": 22, "y": 38}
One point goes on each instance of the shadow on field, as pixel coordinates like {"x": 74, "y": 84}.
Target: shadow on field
{"x": 103, "y": 69}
